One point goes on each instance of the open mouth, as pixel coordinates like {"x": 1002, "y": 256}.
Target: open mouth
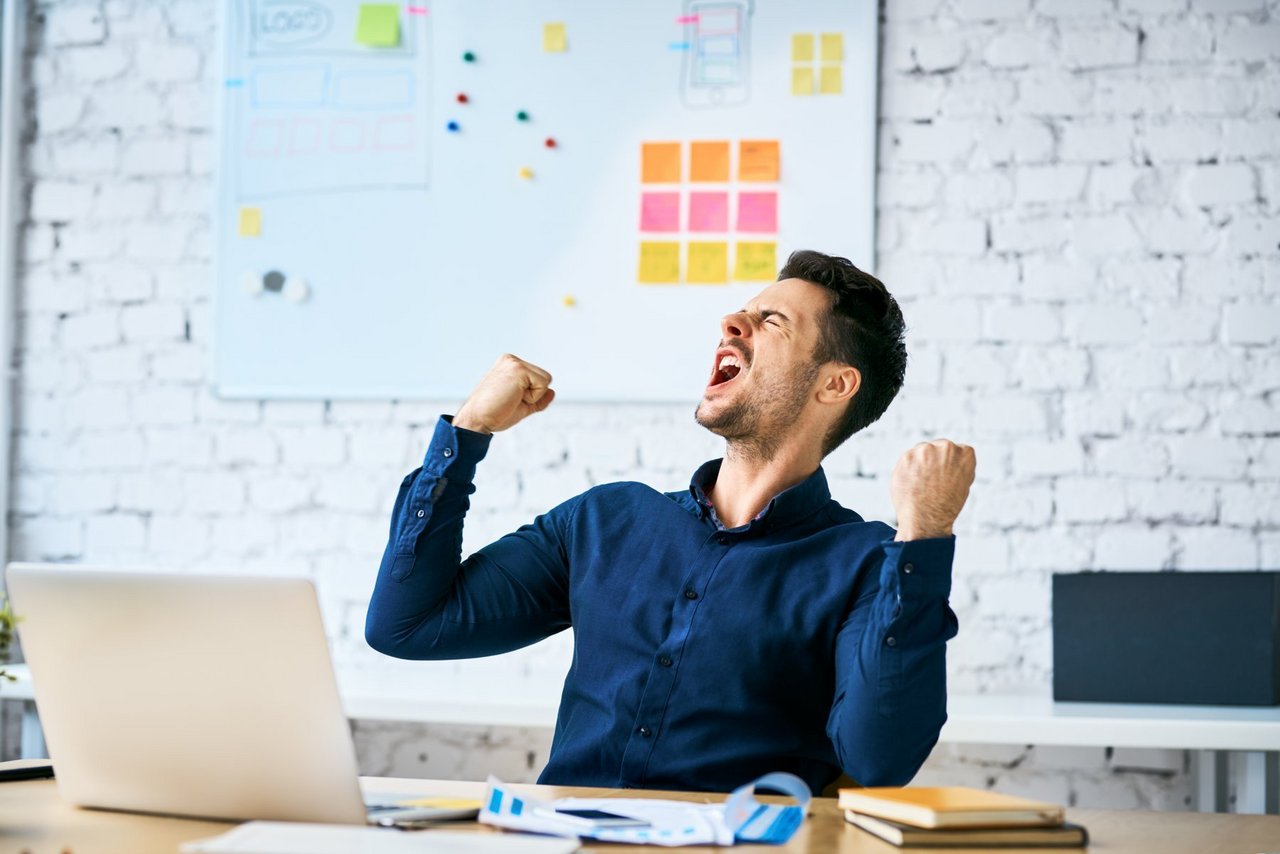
{"x": 728, "y": 365}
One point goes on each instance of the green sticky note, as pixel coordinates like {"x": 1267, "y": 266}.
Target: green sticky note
{"x": 378, "y": 25}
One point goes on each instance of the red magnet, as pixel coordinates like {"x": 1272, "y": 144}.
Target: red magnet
{"x": 550, "y": 143}
{"x": 462, "y": 98}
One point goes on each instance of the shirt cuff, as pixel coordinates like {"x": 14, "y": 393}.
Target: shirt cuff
{"x": 455, "y": 447}
{"x": 920, "y": 567}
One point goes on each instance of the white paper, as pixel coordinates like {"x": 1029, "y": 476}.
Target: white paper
{"x": 273, "y": 837}
{"x": 670, "y": 823}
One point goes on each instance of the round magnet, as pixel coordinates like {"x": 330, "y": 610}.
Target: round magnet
{"x": 296, "y": 289}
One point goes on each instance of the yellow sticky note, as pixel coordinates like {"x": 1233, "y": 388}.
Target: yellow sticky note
{"x": 832, "y": 80}
{"x": 758, "y": 160}
{"x": 709, "y": 161}
{"x": 378, "y": 25}
{"x": 833, "y": 47}
{"x": 802, "y": 47}
{"x": 756, "y": 262}
{"x": 802, "y": 80}
{"x": 251, "y": 222}
{"x": 659, "y": 262}
{"x": 708, "y": 263}
{"x": 555, "y": 39}
{"x": 660, "y": 162}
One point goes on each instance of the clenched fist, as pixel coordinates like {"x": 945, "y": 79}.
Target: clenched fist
{"x": 929, "y": 486}
{"x": 512, "y": 390}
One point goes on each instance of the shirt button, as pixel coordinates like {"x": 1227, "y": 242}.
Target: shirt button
{"x": 891, "y": 641}
{"x": 665, "y": 661}
{"x": 722, "y": 540}
{"x": 645, "y": 731}
{"x": 448, "y": 452}
{"x": 909, "y": 568}
{"x": 421, "y": 513}
{"x": 691, "y": 594}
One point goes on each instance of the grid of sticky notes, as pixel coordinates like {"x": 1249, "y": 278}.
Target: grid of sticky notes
{"x": 817, "y": 64}
{"x": 709, "y": 211}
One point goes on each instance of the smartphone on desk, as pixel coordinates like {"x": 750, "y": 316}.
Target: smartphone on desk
{"x": 593, "y": 819}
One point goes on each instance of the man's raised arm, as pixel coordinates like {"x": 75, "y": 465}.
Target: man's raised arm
{"x": 427, "y": 603}
{"x": 891, "y": 676}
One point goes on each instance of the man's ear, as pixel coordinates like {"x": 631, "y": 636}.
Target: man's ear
{"x": 840, "y": 383}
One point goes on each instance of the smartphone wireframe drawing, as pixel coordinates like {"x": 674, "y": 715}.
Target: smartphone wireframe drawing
{"x": 717, "y": 59}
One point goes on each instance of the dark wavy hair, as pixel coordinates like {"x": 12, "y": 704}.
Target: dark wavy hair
{"x": 865, "y": 330}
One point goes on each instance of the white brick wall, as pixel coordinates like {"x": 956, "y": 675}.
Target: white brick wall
{"x": 1080, "y": 212}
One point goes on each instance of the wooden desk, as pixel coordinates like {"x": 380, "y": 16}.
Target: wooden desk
{"x": 33, "y": 818}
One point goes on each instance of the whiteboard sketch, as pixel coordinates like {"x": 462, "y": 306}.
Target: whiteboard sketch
{"x": 407, "y": 191}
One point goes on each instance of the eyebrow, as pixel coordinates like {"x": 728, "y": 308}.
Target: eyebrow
{"x": 766, "y": 313}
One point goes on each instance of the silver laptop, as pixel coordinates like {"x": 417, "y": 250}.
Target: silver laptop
{"x": 194, "y": 695}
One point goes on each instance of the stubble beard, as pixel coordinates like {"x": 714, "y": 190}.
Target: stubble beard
{"x": 756, "y": 424}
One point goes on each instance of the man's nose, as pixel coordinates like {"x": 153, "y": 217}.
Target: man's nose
{"x": 735, "y": 326}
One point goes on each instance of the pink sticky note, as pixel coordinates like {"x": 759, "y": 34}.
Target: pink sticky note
{"x": 758, "y": 212}
{"x": 659, "y": 211}
{"x": 708, "y": 211}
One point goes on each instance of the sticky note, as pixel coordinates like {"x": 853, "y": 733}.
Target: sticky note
{"x": 659, "y": 211}
{"x": 832, "y": 80}
{"x": 758, "y": 160}
{"x": 756, "y": 262}
{"x": 832, "y": 47}
{"x": 250, "y": 222}
{"x": 709, "y": 161}
{"x": 708, "y": 211}
{"x": 378, "y": 25}
{"x": 660, "y": 162}
{"x": 708, "y": 263}
{"x": 554, "y": 38}
{"x": 758, "y": 212}
{"x": 659, "y": 262}
{"x": 802, "y": 47}
{"x": 802, "y": 81}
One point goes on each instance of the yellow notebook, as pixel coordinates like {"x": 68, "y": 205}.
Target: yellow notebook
{"x": 949, "y": 806}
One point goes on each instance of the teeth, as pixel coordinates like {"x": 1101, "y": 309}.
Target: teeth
{"x": 730, "y": 361}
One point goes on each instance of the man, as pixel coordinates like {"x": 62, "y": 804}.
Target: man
{"x": 748, "y": 624}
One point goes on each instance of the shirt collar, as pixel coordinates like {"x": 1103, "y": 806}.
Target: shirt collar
{"x": 786, "y": 507}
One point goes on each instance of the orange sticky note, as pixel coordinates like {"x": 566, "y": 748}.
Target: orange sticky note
{"x": 756, "y": 262}
{"x": 802, "y": 80}
{"x": 251, "y": 222}
{"x": 758, "y": 160}
{"x": 708, "y": 263}
{"x": 709, "y": 161}
{"x": 660, "y": 162}
{"x": 659, "y": 262}
{"x": 832, "y": 81}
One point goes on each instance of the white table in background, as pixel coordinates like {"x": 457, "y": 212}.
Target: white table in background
{"x": 1213, "y": 733}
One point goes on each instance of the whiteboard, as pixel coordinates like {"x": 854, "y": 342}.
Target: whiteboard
{"x": 422, "y": 253}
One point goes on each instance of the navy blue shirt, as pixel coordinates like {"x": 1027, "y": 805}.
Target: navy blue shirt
{"x": 805, "y": 641}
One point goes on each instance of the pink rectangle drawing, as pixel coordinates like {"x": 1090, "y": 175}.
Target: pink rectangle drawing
{"x": 346, "y": 135}
{"x": 659, "y": 211}
{"x": 758, "y": 212}
{"x": 708, "y": 211}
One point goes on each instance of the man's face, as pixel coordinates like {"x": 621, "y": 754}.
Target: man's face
{"x": 763, "y": 371}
